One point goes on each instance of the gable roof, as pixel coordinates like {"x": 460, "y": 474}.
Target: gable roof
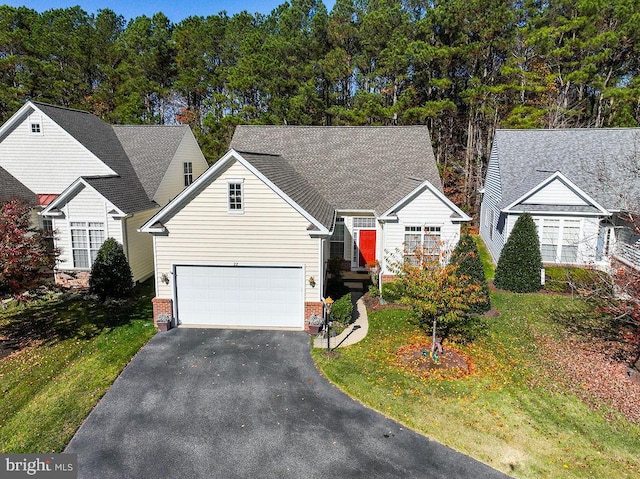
{"x": 138, "y": 160}
{"x": 283, "y": 180}
{"x": 603, "y": 162}
{"x": 150, "y": 149}
{"x": 296, "y": 187}
{"x": 352, "y": 168}
{"x": 11, "y": 188}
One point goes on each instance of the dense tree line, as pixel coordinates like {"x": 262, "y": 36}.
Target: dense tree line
{"x": 463, "y": 67}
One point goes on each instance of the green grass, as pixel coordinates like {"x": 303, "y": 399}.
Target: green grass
{"x": 76, "y": 350}
{"x": 511, "y": 413}
{"x": 485, "y": 257}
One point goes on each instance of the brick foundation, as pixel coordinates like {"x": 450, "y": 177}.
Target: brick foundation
{"x": 161, "y": 305}
{"x": 388, "y": 278}
{"x": 311, "y": 308}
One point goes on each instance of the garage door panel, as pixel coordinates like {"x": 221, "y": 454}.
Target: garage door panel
{"x": 240, "y": 296}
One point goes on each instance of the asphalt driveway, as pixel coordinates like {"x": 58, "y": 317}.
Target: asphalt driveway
{"x": 211, "y": 403}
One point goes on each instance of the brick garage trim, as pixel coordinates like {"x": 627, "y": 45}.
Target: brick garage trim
{"x": 160, "y": 306}
{"x": 311, "y": 308}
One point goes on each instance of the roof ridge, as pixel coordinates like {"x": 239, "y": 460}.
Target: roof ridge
{"x": 50, "y": 105}
{"x": 590, "y": 128}
{"x": 150, "y": 126}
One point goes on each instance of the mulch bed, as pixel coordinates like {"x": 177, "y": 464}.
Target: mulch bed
{"x": 417, "y": 359}
{"x": 373, "y": 304}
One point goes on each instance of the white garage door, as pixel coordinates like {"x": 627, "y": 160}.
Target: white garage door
{"x": 244, "y": 296}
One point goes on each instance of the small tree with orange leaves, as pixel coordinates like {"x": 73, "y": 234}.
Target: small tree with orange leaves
{"x": 440, "y": 297}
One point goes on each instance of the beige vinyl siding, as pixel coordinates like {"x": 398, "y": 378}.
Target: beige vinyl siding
{"x": 424, "y": 210}
{"x": 139, "y": 247}
{"x": 48, "y": 162}
{"x": 173, "y": 181}
{"x": 555, "y": 193}
{"x": 269, "y": 232}
{"x": 88, "y": 205}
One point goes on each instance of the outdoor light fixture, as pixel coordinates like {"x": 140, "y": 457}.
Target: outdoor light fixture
{"x": 164, "y": 277}
{"x": 328, "y": 302}
{"x": 312, "y": 282}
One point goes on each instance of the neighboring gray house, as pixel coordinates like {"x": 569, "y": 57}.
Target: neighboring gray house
{"x": 89, "y": 180}
{"x": 578, "y": 184}
{"x": 247, "y": 243}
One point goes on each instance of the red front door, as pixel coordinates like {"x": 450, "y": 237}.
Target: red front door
{"x": 367, "y": 246}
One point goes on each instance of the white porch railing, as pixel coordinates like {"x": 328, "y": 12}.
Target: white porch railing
{"x": 628, "y": 254}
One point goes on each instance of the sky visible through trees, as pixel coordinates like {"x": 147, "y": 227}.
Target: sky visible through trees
{"x": 462, "y": 67}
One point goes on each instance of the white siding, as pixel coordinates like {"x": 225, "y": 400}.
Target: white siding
{"x": 424, "y": 210}
{"x": 87, "y": 205}
{"x": 492, "y": 236}
{"x": 173, "y": 181}
{"x": 47, "y": 163}
{"x": 588, "y": 239}
{"x": 269, "y": 232}
{"x": 555, "y": 193}
{"x": 139, "y": 246}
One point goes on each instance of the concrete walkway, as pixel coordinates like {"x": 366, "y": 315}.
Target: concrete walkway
{"x": 350, "y": 335}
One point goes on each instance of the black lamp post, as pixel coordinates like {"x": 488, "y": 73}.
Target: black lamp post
{"x": 327, "y": 323}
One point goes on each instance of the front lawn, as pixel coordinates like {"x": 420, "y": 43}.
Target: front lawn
{"x": 513, "y": 413}
{"x": 72, "y": 351}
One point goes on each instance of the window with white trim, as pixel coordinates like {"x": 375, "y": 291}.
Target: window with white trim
{"x": 86, "y": 239}
{"x": 336, "y": 246}
{"x": 559, "y": 239}
{"x": 426, "y": 238}
{"x": 235, "y": 199}
{"x": 364, "y": 222}
{"x": 188, "y": 172}
{"x": 47, "y": 231}
{"x": 36, "y": 128}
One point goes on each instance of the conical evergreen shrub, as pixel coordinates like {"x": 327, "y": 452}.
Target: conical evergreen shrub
{"x": 520, "y": 262}
{"x": 110, "y": 274}
{"x": 466, "y": 257}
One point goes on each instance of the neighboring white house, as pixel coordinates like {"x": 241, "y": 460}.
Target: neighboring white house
{"x": 576, "y": 183}
{"x": 248, "y": 242}
{"x": 90, "y": 180}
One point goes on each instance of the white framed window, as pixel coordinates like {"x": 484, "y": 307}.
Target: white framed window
{"x": 47, "y": 231}
{"x": 188, "y": 172}
{"x": 235, "y": 196}
{"x": 86, "y": 239}
{"x": 426, "y": 238}
{"x": 336, "y": 246}
{"x": 36, "y": 128}
{"x": 559, "y": 239}
{"x": 364, "y": 222}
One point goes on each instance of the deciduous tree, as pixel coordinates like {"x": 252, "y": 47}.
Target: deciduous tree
{"x": 24, "y": 252}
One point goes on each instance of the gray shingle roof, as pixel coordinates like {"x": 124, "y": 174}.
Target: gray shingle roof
{"x": 285, "y": 177}
{"x": 603, "y": 162}
{"x": 150, "y": 149}
{"x": 11, "y": 188}
{"x": 124, "y": 190}
{"x": 351, "y": 168}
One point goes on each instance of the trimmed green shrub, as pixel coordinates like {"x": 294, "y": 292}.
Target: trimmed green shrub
{"x": 466, "y": 258}
{"x": 571, "y": 279}
{"x": 110, "y": 274}
{"x": 392, "y": 292}
{"x": 342, "y": 309}
{"x": 520, "y": 263}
